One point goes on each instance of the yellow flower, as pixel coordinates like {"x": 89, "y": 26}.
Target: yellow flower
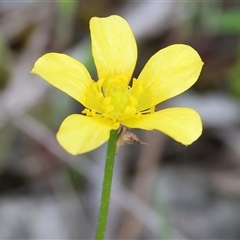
{"x": 114, "y": 99}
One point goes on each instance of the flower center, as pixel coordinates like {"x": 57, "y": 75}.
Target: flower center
{"x": 118, "y": 101}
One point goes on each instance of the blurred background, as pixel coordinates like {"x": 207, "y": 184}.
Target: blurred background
{"x": 162, "y": 190}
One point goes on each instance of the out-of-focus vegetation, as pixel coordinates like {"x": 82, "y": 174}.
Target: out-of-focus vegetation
{"x": 162, "y": 190}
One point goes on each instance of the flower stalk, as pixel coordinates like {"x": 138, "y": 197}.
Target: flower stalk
{"x": 106, "y": 187}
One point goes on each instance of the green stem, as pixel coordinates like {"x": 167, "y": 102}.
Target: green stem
{"x": 106, "y": 187}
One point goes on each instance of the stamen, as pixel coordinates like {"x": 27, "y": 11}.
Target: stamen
{"x": 116, "y": 125}
{"x": 127, "y": 110}
{"x": 86, "y": 111}
{"x": 138, "y": 115}
{"x": 133, "y": 100}
{"x": 107, "y": 101}
{"x": 109, "y": 108}
{"x": 93, "y": 113}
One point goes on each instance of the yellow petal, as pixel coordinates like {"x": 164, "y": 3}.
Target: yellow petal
{"x": 168, "y": 73}
{"x": 182, "y": 124}
{"x": 79, "y": 134}
{"x": 68, "y": 75}
{"x": 114, "y": 47}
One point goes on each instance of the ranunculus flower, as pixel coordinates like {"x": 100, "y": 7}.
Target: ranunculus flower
{"x": 111, "y": 101}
